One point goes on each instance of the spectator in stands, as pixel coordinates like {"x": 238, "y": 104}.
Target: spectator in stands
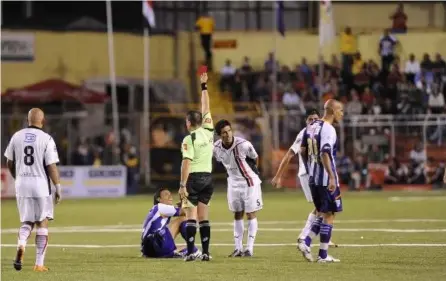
{"x": 132, "y": 163}
{"x": 83, "y": 155}
{"x": 367, "y": 98}
{"x": 376, "y": 154}
{"x": 246, "y": 67}
{"x": 110, "y": 154}
{"x": 308, "y": 98}
{"x": 205, "y": 24}
{"x": 335, "y": 67}
{"x": 418, "y": 153}
{"x": 439, "y": 66}
{"x": 292, "y": 101}
{"x": 386, "y": 50}
{"x": 436, "y": 104}
{"x": 426, "y": 63}
{"x": 262, "y": 89}
{"x": 360, "y": 175}
{"x": 396, "y": 173}
{"x": 227, "y": 73}
{"x": 399, "y": 19}
{"x": 307, "y": 71}
{"x": 97, "y": 157}
{"x": 269, "y": 63}
{"x": 424, "y": 81}
{"x": 412, "y": 68}
{"x": 388, "y": 107}
{"x": 345, "y": 167}
{"x": 238, "y": 87}
{"x": 354, "y": 106}
{"x": 434, "y": 173}
{"x": 358, "y": 64}
{"x": 416, "y": 172}
{"x": 348, "y": 50}
{"x": 284, "y": 79}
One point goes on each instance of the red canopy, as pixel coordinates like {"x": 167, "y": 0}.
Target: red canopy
{"x": 53, "y": 90}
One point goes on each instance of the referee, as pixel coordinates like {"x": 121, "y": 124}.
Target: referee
{"x": 196, "y": 179}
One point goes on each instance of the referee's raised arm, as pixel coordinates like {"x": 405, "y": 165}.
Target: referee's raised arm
{"x": 207, "y": 122}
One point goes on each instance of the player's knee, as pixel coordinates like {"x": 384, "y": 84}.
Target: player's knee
{"x": 251, "y": 216}
{"x": 328, "y": 217}
{"x": 238, "y": 215}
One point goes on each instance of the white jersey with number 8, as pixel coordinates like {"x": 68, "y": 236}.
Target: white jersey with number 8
{"x": 32, "y": 150}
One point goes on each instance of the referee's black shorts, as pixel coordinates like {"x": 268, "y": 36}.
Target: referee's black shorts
{"x": 200, "y": 188}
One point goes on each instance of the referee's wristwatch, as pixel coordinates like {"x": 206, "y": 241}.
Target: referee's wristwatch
{"x": 182, "y": 185}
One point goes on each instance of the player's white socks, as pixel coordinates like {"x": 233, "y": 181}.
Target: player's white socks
{"x": 24, "y": 233}
{"x": 252, "y": 232}
{"x": 307, "y": 228}
{"x": 41, "y": 244}
{"x": 239, "y": 229}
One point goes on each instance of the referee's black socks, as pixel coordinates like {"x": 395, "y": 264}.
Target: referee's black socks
{"x": 191, "y": 230}
{"x": 205, "y": 233}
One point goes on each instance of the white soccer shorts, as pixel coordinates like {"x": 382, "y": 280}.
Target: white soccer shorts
{"x": 245, "y": 198}
{"x": 304, "y": 183}
{"x": 35, "y": 209}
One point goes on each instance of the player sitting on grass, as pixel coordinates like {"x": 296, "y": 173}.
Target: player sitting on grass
{"x": 157, "y": 239}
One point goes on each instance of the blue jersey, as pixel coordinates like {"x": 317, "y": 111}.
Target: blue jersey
{"x": 320, "y": 137}
{"x": 158, "y": 218}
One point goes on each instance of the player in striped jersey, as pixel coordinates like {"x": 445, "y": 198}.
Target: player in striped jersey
{"x": 240, "y": 159}
{"x": 312, "y": 115}
{"x": 319, "y": 151}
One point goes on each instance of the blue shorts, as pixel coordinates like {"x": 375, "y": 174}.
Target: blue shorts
{"x": 326, "y": 201}
{"x": 159, "y": 244}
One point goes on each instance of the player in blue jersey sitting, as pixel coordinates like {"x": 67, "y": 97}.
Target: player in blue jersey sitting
{"x": 157, "y": 238}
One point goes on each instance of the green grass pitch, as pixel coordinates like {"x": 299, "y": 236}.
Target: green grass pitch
{"x": 382, "y": 236}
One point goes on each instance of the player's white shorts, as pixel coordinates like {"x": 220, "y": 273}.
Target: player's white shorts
{"x": 245, "y": 198}
{"x": 35, "y": 209}
{"x": 304, "y": 183}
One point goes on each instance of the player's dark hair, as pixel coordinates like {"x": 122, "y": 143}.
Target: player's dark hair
{"x": 194, "y": 117}
{"x": 156, "y": 197}
{"x": 220, "y": 125}
{"x": 311, "y": 111}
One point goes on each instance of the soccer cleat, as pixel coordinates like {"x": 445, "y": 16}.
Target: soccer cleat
{"x": 236, "y": 253}
{"x": 247, "y": 253}
{"x": 305, "y": 250}
{"x": 19, "y": 258}
{"x": 205, "y": 257}
{"x": 191, "y": 257}
{"x": 332, "y": 244}
{"x": 328, "y": 259}
{"x": 40, "y": 268}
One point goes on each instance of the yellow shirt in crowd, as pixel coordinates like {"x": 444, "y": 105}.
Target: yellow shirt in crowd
{"x": 348, "y": 44}
{"x": 206, "y": 25}
{"x": 357, "y": 66}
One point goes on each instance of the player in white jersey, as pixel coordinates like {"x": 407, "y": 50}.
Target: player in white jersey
{"x": 312, "y": 115}
{"x": 31, "y": 158}
{"x": 240, "y": 159}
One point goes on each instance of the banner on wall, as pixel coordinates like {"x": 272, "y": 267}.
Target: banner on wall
{"x": 81, "y": 182}
{"x": 17, "y": 47}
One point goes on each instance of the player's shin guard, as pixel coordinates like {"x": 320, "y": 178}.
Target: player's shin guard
{"x": 239, "y": 229}
{"x": 41, "y": 244}
{"x": 183, "y": 230}
{"x": 325, "y": 239}
{"x": 205, "y": 233}
{"x": 24, "y": 233}
{"x": 252, "y": 232}
{"x": 306, "y": 230}
{"x": 191, "y": 230}
{"x": 314, "y": 231}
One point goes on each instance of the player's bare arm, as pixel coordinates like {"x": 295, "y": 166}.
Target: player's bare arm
{"x": 55, "y": 178}
{"x": 444, "y": 177}
{"x": 204, "y": 94}
{"x": 277, "y": 180}
{"x": 11, "y": 167}
{"x": 185, "y": 171}
{"x": 325, "y": 158}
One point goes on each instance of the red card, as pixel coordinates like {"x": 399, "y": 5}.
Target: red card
{"x": 202, "y": 69}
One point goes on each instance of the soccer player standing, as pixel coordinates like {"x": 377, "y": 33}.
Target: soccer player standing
{"x": 318, "y": 151}
{"x": 196, "y": 179}
{"x": 240, "y": 159}
{"x": 31, "y": 158}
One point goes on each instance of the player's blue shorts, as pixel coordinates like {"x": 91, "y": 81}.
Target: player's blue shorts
{"x": 159, "y": 244}
{"x": 326, "y": 201}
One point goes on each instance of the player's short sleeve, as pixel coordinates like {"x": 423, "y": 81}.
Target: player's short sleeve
{"x": 328, "y": 138}
{"x": 250, "y": 151}
{"x": 168, "y": 210}
{"x": 9, "y": 152}
{"x": 295, "y": 147}
{"x": 187, "y": 148}
{"x": 208, "y": 123}
{"x": 51, "y": 155}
